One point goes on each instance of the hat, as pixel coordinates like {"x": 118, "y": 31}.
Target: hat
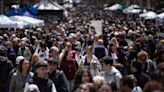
{"x": 18, "y": 59}
{"x": 42, "y": 63}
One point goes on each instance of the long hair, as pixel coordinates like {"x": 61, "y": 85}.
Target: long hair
{"x": 78, "y": 76}
{"x": 20, "y": 69}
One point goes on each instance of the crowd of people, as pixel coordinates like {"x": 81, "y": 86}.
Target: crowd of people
{"x": 70, "y": 56}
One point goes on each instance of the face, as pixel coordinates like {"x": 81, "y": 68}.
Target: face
{"x": 143, "y": 57}
{"x": 84, "y": 88}
{"x": 104, "y": 67}
{"x": 42, "y": 72}
{"x": 85, "y": 77}
{"x": 53, "y": 54}
{"x": 26, "y": 65}
{"x": 51, "y": 67}
{"x": 106, "y": 88}
{"x": 69, "y": 56}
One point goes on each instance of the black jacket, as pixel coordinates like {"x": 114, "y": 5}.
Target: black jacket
{"x": 59, "y": 80}
{"x": 44, "y": 85}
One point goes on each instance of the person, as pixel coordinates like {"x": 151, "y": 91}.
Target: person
{"x": 106, "y": 87}
{"x": 57, "y": 76}
{"x": 54, "y": 53}
{"x": 34, "y": 60}
{"x": 69, "y": 67}
{"x": 98, "y": 81}
{"x": 109, "y": 72}
{"x": 83, "y": 75}
{"x": 20, "y": 77}
{"x": 41, "y": 79}
{"x": 5, "y": 67}
{"x": 32, "y": 88}
{"x": 42, "y": 51}
{"x": 100, "y": 50}
{"x": 88, "y": 87}
{"x": 24, "y": 51}
{"x": 126, "y": 84}
{"x": 142, "y": 78}
{"x": 91, "y": 61}
{"x": 151, "y": 86}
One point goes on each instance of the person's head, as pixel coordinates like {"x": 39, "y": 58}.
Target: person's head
{"x": 54, "y": 51}
{"x": 100, "y": 42}
{"x": 83, "y": 75}
{"x": 67, "y": 55}
{"x": 18, "y": 59}
{"x": 89, "y": 50}
{"x": 126, "y": 84}
{"x": 32, "y": 88}
{"x": 98, "y": 81}
{"x": 152, "y": 86}
{"x": 24, "y": 66}
{"x": 106, "y": 63}
{"x": 136, "y": 67}
{"x": 52, "y": 65}
{"x": 43, "y": 46}
{"x": 88, "y": 87}
{"x": 142, "y": 55}
{"x": 41, "y": 69}
{"x": 35, "y": 58}
{"x": 23, "y": 44}
{"x": 106, "y": 87}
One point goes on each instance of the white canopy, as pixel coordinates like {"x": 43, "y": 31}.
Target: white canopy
{"x": 114, "y": 7}
{"x": 5, "y": 22}
{"x": 148, "y": 15}
{"x": 161, "y": 15}
{"x": 134, "y": 9}
{"x": 48, "y": 5}
{"x": 33, "y": 22}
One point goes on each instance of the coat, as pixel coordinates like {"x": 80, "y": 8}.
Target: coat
{"x": 16, "y": 83}
{"x": 26, "y": 53}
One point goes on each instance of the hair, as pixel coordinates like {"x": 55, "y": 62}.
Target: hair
{"x": 34, "y": 56}
{"x": 98, "y": 81}
{"x": 152, "y": 86}
{"x": 20, "y": 69}
{"x": 65, "y": 55}
{"x": 79, "y": 73}
{"x": 137, "y": 65}
{"x": 90, "y": 86}
{"x": 107, "y": 60}
{"x": 142, "y": 53}
{"x": 127, "y": 81}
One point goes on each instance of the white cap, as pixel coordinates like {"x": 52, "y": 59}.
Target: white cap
{"x": 18, "y": 59}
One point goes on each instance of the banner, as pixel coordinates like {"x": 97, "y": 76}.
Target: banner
{"x": 97, "y": 24}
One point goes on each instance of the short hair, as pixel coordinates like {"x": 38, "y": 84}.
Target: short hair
{"x": 52, "y": 61}
{"x": 127, "y": 81}
{"x": 54, "y": 48}
{"x": 137, "y": 65}
{"x": 107, "y": 60}
{"x": 42, "y": 63}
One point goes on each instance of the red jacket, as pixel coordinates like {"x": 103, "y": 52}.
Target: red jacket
{"x": 69, "y": 68}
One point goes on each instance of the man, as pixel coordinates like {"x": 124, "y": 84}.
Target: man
{"x": 41, "y": 79}
{"x": 24, "y": 51}
{"x": 5, "y": 68}
{"x": 109, "y": 72}
{"x": 54, "y": 53}
{"x": 126, "y": 84}
{"x": 57, "y": 76}
{"x": 136, "y": 69}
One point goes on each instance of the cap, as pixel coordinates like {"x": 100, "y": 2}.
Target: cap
{"x": 18, "y": 59}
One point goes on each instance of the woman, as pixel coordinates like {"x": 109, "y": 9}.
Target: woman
{"x": 35, "y": 59}
{"x": 106, "y": 87}
{"x": 92, "y": 62}
{"x": 20, "y": 77}
{"x": 69, "y": 67}
{"x": 83, "y": 75}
